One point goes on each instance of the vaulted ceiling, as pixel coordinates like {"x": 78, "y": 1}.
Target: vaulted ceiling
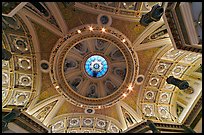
{"x": 46, "y": 76}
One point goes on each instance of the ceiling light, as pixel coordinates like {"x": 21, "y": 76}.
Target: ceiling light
{"x": 99, "y": 107}
{"x": 123, "y": 40}
{"x": 124, "y": 3}
{"x": 78, "y": 31}
{"x": 57, "y": 87}
{"x": 91, "y": 28}
{"x": 124, "y": 95}
{"x": 199, "y": 22}
{"x": 130, "y": 87}
{"x": 103, "y": 30}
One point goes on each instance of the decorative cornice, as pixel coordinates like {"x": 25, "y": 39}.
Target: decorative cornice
{"x": 194, "y": 113}
{"x": 28, "y": 123}
{"x": 116, "y": 12}
{"x": 176, "y": 31}
{"x": 143, "y": 127}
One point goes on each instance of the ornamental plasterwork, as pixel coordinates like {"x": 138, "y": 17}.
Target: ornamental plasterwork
{"x": 164, "y": 112}
{"x": 148, "y": 110}
{"x": 131, "y": 11}
{"x": 24, "y": 63}
{"x": 159, "y": 33}
{"x": 46, "y": 15}
{"x": 81, "y": 124}
{"x": 113, "y": 38}
{"x": 20, "y": 76}
{"x": 19, "y": 98}
{"x": 168, "y": 94}
{"x": 172, "y": 54}
{"x": 162, "y": 67}
{"x": 154, "y": 81}
{"x": 164, "y": 97}
{"x": 42, "y": 113}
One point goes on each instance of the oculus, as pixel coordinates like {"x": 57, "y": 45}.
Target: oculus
{"x": 96, "y": 66}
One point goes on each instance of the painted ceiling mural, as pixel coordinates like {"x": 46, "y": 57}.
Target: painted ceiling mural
{"x": 75, "y": 69}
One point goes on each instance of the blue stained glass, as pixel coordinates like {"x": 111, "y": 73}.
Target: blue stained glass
{"x": 96, "y": 66}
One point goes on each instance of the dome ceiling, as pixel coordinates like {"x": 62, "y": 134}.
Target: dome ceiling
{"x": 77, "y": 81}
{"x": 77, "y": 70}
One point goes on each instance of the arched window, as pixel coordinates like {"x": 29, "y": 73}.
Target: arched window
{"x": 41, "y": 8}
{"x": 128, "y": 118}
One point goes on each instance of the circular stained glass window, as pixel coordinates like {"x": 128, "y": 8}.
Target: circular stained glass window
{"x": 104, "y": 19}
{"x": 96, "y": 66}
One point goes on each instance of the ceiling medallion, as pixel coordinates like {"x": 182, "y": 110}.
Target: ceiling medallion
{"x": 24, "y": 63}
{"x": 88, "y": 121}
{"x": 20, "y": 44}
{"x": 101, "y": 123}
{"x": 93, "y": 68}
{"x": 149, "y": 95}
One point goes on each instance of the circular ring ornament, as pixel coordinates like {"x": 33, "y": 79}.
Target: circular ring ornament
{"x": 21, "y": 98}
{"x": 149, "y": 95}
{"x": 25, "y": 80}
{"x": 164, "y": 97}
{"x": 88, "y": 121}
{"x": 161, "y": 67}
{"x": 163, "y": 112}
{"x": 24, "y": 63}
{"x": 154, "y": 81}
{"x": 148, "y": 111}
{"x": 101, "y": 123}
{"x": 64, "y": 48}
{"x": 178, "y": 70}
{"x": 4, "y": 63}
{"x": 20, "y": 44}
{"x": 74, "y": 121}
